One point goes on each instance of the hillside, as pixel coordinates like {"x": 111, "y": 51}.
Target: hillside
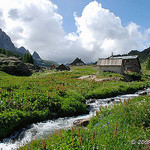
{"x": 44, "y": 63}
{"x": 143, "y": 55}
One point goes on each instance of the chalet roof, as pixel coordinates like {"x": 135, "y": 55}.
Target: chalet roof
{"x": 109, "y": 62}
{"x": 77, "y": 60}
{"x": 63, "y": 67}
{"x": 126, "y": 57}
{"x": 114, "y": 61}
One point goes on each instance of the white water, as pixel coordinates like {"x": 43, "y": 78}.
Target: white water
{"x": 43, "y": 129}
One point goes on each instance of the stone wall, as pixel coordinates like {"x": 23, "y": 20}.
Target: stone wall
{"x": 131, "y": 65}
{"x": 117, "y": 69}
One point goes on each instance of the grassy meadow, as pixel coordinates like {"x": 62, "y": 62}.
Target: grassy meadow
{"x": 48, "y": 95}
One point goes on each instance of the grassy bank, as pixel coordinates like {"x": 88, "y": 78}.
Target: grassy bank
{"x": 122, "y": 126}
{"x": 25, "y": 100}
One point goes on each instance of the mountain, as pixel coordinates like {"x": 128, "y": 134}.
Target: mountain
{"x": 40, "y": 62}
{"x": 22, "y": 50}
{"x": 7, "y": 44}
{"x": 36, "y": 55}
{"x": 143, "y": 55}
{"x": 44, "y": 63}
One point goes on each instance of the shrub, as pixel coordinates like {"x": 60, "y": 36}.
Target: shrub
{"x": 132, "y": 76}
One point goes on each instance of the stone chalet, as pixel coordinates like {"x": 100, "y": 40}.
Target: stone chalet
{"x": 119, "y": 64}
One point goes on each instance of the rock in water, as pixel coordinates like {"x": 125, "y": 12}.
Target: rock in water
{"x": 81, "y": 122}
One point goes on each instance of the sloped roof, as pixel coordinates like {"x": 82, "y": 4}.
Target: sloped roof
{"x": 126, "y": 57}
{"x": 109, "y": 62}
{"x": 63, "y": 67}
{"x": 77, "y": 60}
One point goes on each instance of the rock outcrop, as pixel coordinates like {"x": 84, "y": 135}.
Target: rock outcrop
{"x": 14, "y": 66}
{"x": 34, "y": 68}
{"x": 81, "y": 122}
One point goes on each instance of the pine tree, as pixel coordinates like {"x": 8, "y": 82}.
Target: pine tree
{"x": 2, "y": 51}
{"x": 9, "y": 53}
{"x": 27, "y": 58}
{"x": 30, "y": 59}
{"x": 148, "y": 64}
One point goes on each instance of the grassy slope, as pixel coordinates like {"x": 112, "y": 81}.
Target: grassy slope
{"x": 113, "y": 128}
{"x": 25, "y": 100}
{"x": 124, "y": 126}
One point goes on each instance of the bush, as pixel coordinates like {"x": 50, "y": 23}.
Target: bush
{"x": 132, "y": 76}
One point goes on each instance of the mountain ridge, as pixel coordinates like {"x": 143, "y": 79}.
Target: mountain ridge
{"x": 7, "y": 44}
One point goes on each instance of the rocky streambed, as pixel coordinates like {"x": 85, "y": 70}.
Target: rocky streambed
{"x": 43, "y": 129}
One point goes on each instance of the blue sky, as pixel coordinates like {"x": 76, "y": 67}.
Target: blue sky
{"x": 62, "y": 30}
{"x": 137, "y": 11}
{"x": 67, "y": 8}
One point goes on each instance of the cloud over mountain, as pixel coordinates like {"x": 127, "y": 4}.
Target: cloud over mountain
{"x": 37, "y": 25}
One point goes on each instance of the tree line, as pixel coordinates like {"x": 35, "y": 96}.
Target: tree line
{"x": 26, "y": 58}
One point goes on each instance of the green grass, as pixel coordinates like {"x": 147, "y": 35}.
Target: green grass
{"x": 110, "y": 74}
{"x": 112, "y": 128}
{"x": 26, "y": 100}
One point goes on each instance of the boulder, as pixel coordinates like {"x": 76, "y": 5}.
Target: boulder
{"x": 81, "y": 122}
{"x": 14, "y": 66}
{"x": 90, "y": 101}
{"x": 34, "y": 68}
{"x": 143, "y": 93}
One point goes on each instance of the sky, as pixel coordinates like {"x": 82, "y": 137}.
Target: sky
{"x": 61, "y": 30}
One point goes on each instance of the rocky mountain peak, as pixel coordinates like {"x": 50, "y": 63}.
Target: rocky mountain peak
{"x": 6, "y": 43}
{"x": 36, "y": 55}
{"x": 23, "y": 50}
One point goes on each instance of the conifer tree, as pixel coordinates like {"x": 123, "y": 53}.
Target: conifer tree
{"x": 148, "y": 64}
{"x": 9, "y": 53}
{"x": 27, "y": 58}
{"x": 2, "y": 51}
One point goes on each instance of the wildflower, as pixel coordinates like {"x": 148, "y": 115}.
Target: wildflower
{"x": 72, "y": 143}
{"x": 44, "y": 144}
{"x": 115, "y": 132}
{"x": 96, "y": 113}
{"x": 80, "y": 139}
{"x": 93, "y": 137}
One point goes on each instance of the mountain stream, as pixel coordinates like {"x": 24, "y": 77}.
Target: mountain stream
{"x": 43, "y": 129}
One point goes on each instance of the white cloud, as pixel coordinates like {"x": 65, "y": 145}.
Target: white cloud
{"x": 99, "y": 27}
{"x": 37, "y": 25}
{"x": 2, "y": 21}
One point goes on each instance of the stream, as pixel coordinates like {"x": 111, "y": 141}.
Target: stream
{"x": 43, "y": 129}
